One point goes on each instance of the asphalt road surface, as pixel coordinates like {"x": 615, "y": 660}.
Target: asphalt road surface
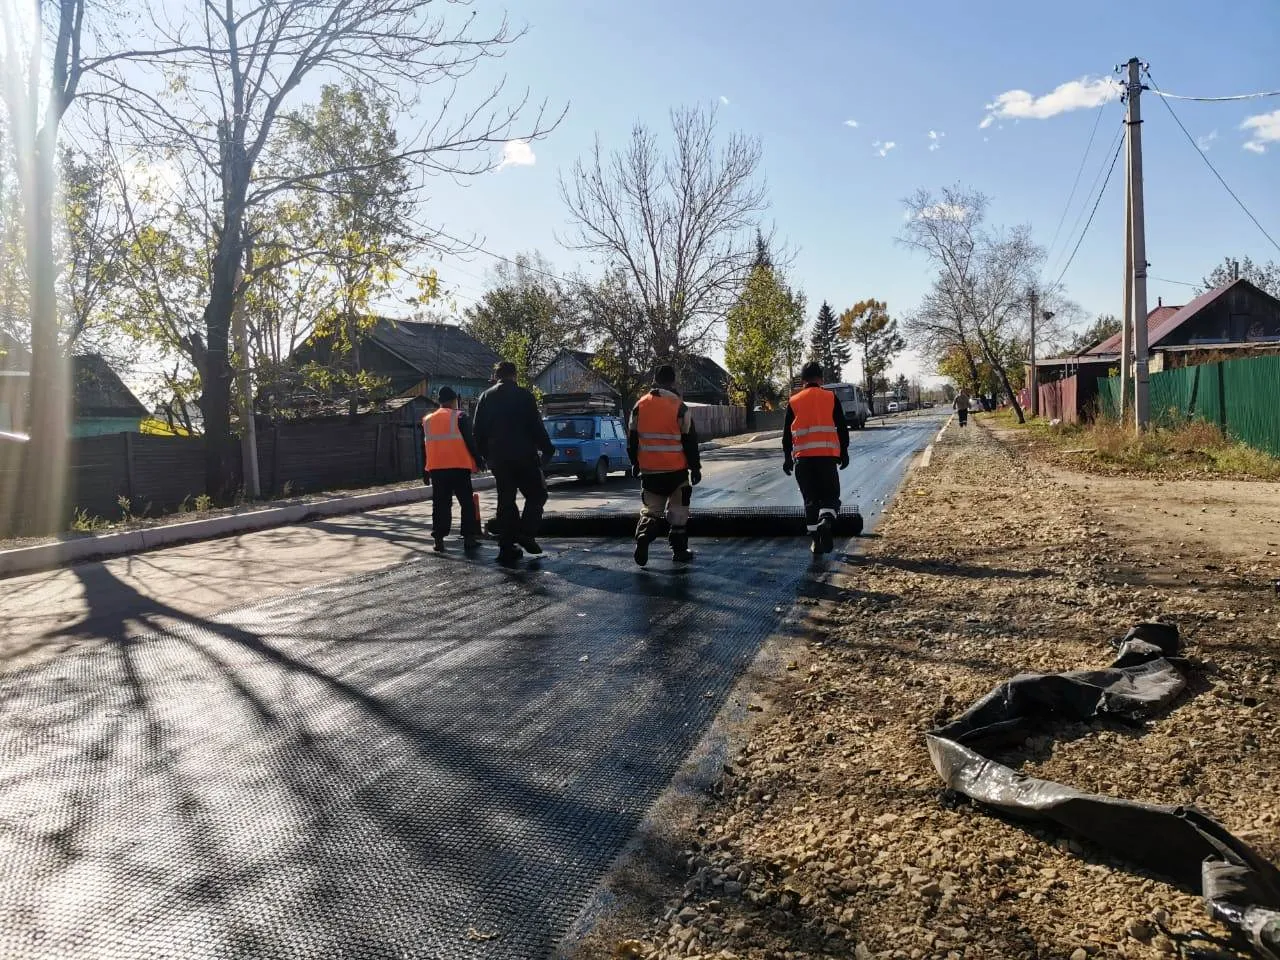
{"x": 438, "y": 758}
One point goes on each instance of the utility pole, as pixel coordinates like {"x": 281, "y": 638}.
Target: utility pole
{"x": 1032, "y": 379}
{"x": 1133, "y": 124}
{"x": 248, "y": 429}
{"x": 1126, "y": 326}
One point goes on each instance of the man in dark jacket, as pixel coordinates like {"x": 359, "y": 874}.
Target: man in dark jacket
{"x": 511, "y": 438}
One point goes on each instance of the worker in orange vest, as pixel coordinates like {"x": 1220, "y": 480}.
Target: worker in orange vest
{"x": 815, "y": 442}
{"x": 450, "y": 460}
{"x": 663, "y": 446}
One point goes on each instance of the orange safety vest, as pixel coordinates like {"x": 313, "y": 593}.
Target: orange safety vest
{"x": 658, "y": 424}
{"x": 442, "y": 442}
{"x": 813, "y": 427}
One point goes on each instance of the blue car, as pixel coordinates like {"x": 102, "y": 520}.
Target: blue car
{"x": 588, "y": 446}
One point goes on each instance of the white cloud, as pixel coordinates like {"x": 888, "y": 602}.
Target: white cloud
{"x": 883, "y": 148}
{"x": 851, "y": 123}
{"x": 1265, "y": 128}
{"x": 724, "y": 100}
{"x": 517, "y": 153}
{"x": 987, "y": 121}
{"x": 1074, "y": 95}
{"x": 935, "y": 140}
{"x": 1206, "y": 142}
{"x": 944, "y": 211}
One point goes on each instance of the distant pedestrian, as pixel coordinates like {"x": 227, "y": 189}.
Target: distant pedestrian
{"x": 511, "y": 438}
{"x": 663, "y": 446}
{"x": 450, "y": 459}
{"x": 815, "y": 445}
{"x": 961, "y": 405}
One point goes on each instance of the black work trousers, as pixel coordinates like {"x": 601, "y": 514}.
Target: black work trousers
{"x": 665, "y": 496}
{"x": 819, "y": 480}
{"x": 447, "y": 486}
{"x": 522, "y": 477}
{"x": 963, "y": 415}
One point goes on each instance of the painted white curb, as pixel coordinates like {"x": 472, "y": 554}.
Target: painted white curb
{"x": 62, "y": 553}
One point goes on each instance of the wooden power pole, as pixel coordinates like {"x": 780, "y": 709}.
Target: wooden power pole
{"x": 1133, "y": 124}
{"x": 1032, "y": 379}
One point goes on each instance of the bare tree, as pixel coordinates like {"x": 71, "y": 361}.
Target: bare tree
{"x": 979, "y": 302}
{"x": 681, "y": 226}
{"x": 221, "y": 93}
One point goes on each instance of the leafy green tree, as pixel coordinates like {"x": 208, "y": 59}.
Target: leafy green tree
{"x": 1106, "y": 325}
{"x": 763, "y": 329}
{"x": 614, "y": 314}
{"x": 528, "y": 311}
{"x": 1264, "y": 276}
{"x": 827, "y": 345}
{"x": 350, "y": 224}
{"x": 868, "y": 326}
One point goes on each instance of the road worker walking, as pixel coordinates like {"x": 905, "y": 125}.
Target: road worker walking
{"x": 450, "y": 459}
{"x": 815, "y": 442}
{"x": 512, "y": 439}
{"x": 663, "y": 446}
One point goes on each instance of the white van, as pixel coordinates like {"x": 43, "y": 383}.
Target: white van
{"x": 854, "y": 402}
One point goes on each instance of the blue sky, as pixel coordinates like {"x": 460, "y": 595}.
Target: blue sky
{"x": 793, "y": 75}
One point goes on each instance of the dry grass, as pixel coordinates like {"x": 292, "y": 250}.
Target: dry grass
{"x": 1194, "y": 449}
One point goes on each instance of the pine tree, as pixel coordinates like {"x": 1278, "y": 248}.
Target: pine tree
{"x": 827, "y": 346}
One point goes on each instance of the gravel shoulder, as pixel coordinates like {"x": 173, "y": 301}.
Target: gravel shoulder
{"x": 826, "y": 834}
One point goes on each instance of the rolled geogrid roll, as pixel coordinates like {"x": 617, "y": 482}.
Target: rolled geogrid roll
{"x": 709, "y": 522}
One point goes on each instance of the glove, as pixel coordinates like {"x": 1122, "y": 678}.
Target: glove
{"x": 481, "y": 466}
{"x": 635, "y": 469}
{"x": 844, "y": 460}
{"x": 695, "y": 476}
{"x": 788, "y": 465}
{"x": 426, "y": 478}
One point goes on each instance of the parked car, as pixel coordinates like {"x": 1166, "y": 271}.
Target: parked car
{"x": 926, "y": 404}
{"x": 588, "y": 446}
{"x": 853, "y": 401}
{"x": 893, "y": 406}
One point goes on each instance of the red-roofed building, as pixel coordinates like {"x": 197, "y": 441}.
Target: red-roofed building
{"x": 1234, "y": 320}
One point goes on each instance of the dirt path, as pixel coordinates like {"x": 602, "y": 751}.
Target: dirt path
{"x": 827, "y": 836}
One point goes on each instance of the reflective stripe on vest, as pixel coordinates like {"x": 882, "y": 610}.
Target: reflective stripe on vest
{"x": 813, "y": 426}
{"x": 658, "y": 427}
{"x": 443, "y": 444}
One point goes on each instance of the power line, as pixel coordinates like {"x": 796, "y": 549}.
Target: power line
{"x": 1110, "y": 170}
{"x": 1097, "y": 120}
{"x": 1242, "y": 96}
{"x": 1116, "y": 143}
{"x": 1178, "y": 283}
{"x": 1209, "y": 163}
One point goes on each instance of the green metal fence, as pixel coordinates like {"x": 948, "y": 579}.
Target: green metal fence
{"x": 1240, "y": 396}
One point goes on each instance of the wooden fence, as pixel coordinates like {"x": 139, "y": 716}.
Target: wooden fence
{"x": 155, "y": 475}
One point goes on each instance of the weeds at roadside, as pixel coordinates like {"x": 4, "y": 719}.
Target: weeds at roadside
{"x": 1109, "y": 446}
{"x": 85, "y": 522}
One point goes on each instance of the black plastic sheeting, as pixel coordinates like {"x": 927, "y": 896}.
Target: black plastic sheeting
{"x": 711, "y": 522}
{"x": 1240, "y": 888}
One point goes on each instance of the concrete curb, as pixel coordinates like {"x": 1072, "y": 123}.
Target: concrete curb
{"x": 927, "y": 457}
{"x": 754, "y": 438}
{"x": 63, "y": 553}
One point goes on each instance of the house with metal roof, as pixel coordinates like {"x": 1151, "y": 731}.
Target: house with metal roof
{"x": 572, "y": 371}
{"x": 1234, "y": 320}
{"x": 100, "y": 401}
{"x": 415, "y": 359}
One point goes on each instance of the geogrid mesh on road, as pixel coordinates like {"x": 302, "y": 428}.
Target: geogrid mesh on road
{"x": 400, "y": 765}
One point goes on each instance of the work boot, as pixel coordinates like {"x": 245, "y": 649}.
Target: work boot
{"x": 439, "y": 547}
{"x": 509, "y": 554}
{"x": 815, "y": 544}
{"x": 529, "y": 546}
{"x": 470, "y": 544}
{"x": 679, "y": 541}
{"x": 826, "y": 534}
{"x": 642, "y": 552}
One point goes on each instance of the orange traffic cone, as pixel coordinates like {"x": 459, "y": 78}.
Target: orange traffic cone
{"x": 475, "y": 502}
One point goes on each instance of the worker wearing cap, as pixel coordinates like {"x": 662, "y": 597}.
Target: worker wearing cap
{"x": 450, "y": 460}
{"x": 815, "y": 445}
{"x": 663, "y": 446}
